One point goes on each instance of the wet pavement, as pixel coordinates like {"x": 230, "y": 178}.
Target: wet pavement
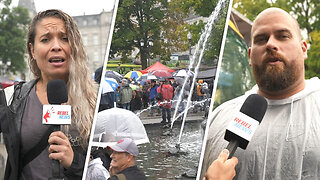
{"x": 154, "y": 158}
{"x": 156, "y": 118}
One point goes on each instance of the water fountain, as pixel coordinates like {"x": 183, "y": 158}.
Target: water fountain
{"x": 200, "y": 48}
{"x": 156, "y": 161}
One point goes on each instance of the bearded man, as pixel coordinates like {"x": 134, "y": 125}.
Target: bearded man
{"x": 286, "y": 145}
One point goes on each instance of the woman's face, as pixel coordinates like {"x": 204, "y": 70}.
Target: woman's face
{"x": 51, "y": 49}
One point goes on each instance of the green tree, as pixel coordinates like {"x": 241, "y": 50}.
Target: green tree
{"x": 307, "y": 13}
{"x": 313, "y": 63}
{"x": 137, "y": 20}
{"x": 308, "y": 17}
{"x": 249, "y": 8}
{"x": 13, "y": 23}
{"x": 205, "y": 8}
{"x": 212, "y": 52}
{"x": 200, "y": 7}
{"x": 175, "y": 29}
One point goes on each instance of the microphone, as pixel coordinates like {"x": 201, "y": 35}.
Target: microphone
{"x": 56, "y": 114}
{"x": 244, "y": 123}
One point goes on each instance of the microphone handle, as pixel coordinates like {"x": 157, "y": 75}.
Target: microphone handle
{"x": 56, "y": 163}
{"x": 232, "y": 146}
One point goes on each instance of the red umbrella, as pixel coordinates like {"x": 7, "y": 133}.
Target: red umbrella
{"x": 5, "y": 82}
{"x": 162, "y": 73}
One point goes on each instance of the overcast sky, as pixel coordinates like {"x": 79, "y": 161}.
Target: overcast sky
{"x": 73, "y": 7}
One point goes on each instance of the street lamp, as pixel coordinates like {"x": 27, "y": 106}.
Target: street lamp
{"x": 189, "y": 36}
{"x": 1, "y": 65}
{"x": 148, "y": 45}
{"x": 4, "y": 66}
{"x": 142, "y": 46}
{"x": 141, "y": 42}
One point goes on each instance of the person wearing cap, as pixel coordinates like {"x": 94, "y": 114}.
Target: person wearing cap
{"x": 123, "y": 164}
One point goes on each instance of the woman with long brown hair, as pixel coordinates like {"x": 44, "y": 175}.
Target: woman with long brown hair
{"x": 55, "y": 51}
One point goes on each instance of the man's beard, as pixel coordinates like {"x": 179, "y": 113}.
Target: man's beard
{"x": 275, "y": 77}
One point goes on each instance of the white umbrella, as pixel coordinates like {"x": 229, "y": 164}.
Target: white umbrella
{"x": 109, "y": 85}
{"x": 146, "y": 77}
{"x": 114, "y": 75}
{"x": 117, "y": 123}
{"x": 151, "y": 77}
{"x": 183, "y": 73}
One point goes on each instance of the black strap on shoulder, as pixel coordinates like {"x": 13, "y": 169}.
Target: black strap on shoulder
{"x": 37, "y": 149}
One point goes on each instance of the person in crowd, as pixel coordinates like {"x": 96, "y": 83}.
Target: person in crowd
{"x": 145, "y": 95}
{"x": 125, "y": 94}
{"x": 200, "y": 93}
{"x": 175, "y": 84}
{"x": 107, "y": 99}
{"x": 177, "y": 93}
{"x": 152, "y": 96}
{"x": 55, "y": 51}
{"x": 285, "y": 144}
{"x": 116, "y": 96}
{"x": 165, "y": 103}
{"x": 103, "y": 154}
{"x": 206, "y": 96}
{"x": 123, "y": 164}
{"x": 135, "y": 103}
{"x": 119, "y": 69}
{"x": 96, "y": 170}
{"x": 139, "y": 85}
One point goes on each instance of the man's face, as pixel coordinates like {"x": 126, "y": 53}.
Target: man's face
{"x": 277, "y": 54}
{"x": 120, "y": 160}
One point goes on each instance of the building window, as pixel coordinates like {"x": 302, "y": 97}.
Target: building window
{"x": 95, "y": 22}
{"x": 95, "y": 56}
{"x": 85, "y": 40}
{"x": 95, "y": 39}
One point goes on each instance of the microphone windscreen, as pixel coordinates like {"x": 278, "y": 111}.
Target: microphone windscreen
{"x": 57, "y": 92}
{"x": 245, "y": 122}
{"x": 255, "y": 106}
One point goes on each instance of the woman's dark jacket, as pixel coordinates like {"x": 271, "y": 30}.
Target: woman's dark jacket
{"x": 10, "y": 126}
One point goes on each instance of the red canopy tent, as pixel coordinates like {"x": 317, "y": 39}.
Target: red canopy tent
{"x": 156, "y": 66}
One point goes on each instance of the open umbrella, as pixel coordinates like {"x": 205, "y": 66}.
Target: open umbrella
{"x": 146, "y": 77}
{"x": 117, "y": 123}
{"x": 114, "y": 75}
{"x": 109, "y": 85}
{"x": 134, "y": 87}
{"x": 133, "y": 75}
{"x": 162, "y": 73}
{"x": 183, "y": 73}
{"x": 5, "y": 82}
